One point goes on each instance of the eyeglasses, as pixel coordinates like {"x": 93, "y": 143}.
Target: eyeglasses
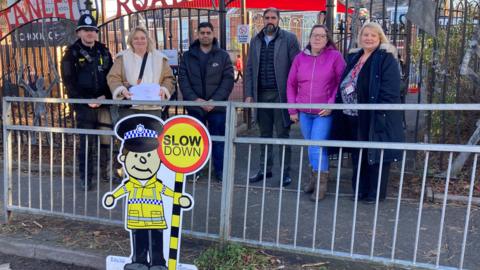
{"x": 323, "y": 36}
{"x": 268, "y": 18}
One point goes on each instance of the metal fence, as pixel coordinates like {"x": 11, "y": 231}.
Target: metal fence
{"x": 404, "y": 230}
{"x": 431, "y": 63}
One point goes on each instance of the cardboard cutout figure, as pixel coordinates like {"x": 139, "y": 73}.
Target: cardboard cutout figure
{"x": 152, "y": 207}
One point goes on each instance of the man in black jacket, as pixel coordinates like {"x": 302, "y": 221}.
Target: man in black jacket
{"x": 206, "y": 74}
{"x": 85, "y": 66}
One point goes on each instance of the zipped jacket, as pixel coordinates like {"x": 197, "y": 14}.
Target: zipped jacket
{"x": 314, "y": 79}
{"x": 218, "y": 76}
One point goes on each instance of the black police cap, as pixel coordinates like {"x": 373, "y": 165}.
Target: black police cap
{"x": 139, "y": 133}
{"x": 86, "y": 21}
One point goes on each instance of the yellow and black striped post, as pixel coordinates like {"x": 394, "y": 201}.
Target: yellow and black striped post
{"x": 176, "y": 222}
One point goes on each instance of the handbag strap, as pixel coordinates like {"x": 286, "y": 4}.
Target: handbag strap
{"x": 142, "y": 68}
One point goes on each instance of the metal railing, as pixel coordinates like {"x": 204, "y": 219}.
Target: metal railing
{"x": 403, "y": 230}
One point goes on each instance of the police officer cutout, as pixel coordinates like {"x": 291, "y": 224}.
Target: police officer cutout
{"x": 145, "y": 213}
{"x": 85, "y": 66}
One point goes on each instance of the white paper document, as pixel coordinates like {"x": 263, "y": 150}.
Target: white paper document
{"x": 145, "y": 91}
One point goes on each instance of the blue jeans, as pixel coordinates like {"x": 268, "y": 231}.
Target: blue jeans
{"x": 316, "y": 127}
{"x": 215, "y": 123}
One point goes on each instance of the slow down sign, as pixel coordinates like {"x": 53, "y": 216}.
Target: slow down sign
{"x": 185, "y": 144}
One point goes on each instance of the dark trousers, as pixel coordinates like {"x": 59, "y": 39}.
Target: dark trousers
{"x": 268, "y": 120}
{"x": 368, "y": 182}
{"x": 215, "y": 122}
{"x": 239, "y": 74}
{"x": 148, "y": 242}
{"x": 89, "y": 118}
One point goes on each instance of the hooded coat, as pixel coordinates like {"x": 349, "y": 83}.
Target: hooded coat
{"x": 383, "y": 88}
{"x": 314, "y": 79}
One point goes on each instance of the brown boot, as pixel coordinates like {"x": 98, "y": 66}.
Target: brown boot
{"x": 310, "y": 185}
{"x": 322, "y": 189}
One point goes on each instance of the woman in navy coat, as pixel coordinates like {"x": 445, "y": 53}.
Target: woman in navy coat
{"x": 372, "y": 76}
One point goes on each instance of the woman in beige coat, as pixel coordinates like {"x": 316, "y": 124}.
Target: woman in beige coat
{"x": 126, "y": 70}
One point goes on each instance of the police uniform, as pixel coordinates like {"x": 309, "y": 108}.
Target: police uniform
{"x": 84, "y": 71}
{"x": 145, "y": 213}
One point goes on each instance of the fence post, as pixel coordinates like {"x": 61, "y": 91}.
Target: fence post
{"x": 7, "y": 160}
{"x": 228, "y": 174}
{"x": 330, "y": 16}
{"x": 222, "y": 14}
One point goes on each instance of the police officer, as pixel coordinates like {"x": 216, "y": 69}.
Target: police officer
{"x": 145, "y": 212}
{"x": 85, "y": 66}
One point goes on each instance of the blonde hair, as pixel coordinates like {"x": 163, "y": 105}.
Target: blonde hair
{"x": 150, "y": 42}
{"x": 377, "y": 28}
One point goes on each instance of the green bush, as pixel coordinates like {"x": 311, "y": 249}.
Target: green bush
{"x": 233, "y": 256}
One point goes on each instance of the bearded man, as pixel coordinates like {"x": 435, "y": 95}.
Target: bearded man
{"x": 270, "y": 56}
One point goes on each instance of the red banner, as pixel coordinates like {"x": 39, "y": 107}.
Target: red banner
{"x": 26, "y": 11}
{"x": 303, "y": 5}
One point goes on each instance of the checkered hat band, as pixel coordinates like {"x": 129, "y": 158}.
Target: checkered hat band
{"x": 144, "y": 201}
{"x": 145, "y": 133}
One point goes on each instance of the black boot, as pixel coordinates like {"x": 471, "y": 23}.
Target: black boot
{"x": 259, "y": 177}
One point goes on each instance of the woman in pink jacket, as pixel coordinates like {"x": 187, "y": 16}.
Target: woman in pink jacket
{"x": 314, "y": 78}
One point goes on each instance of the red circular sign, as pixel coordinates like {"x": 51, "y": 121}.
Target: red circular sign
{"x": 184, "y": 144}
